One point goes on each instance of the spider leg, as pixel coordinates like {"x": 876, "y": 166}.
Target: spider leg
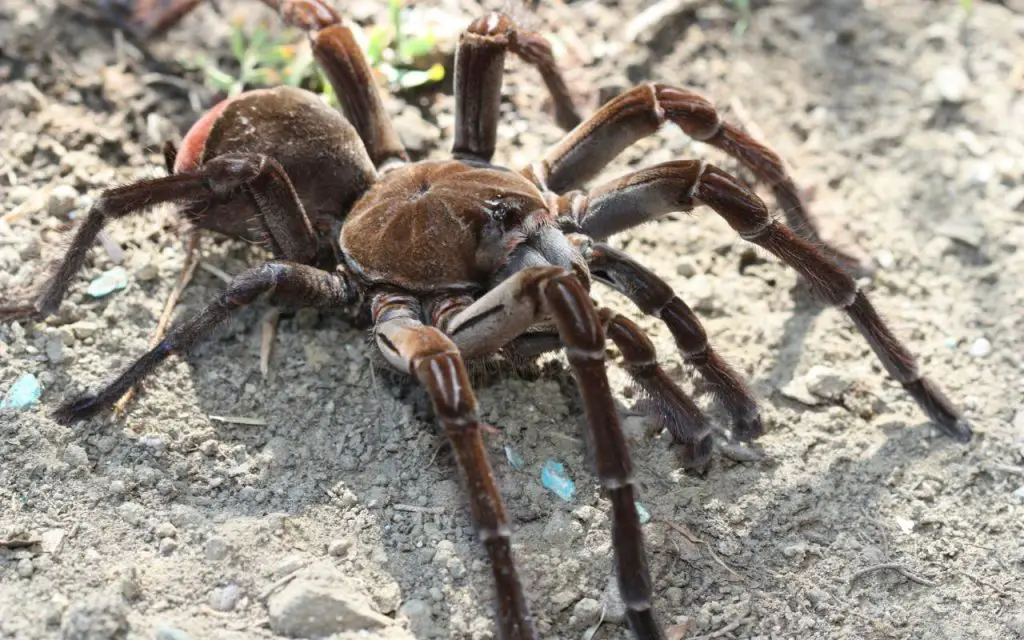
{"x": 337, "y": 52}
{"x": 655, "y": 297}
{"x": 519, "y": 302}
{"x": 434, "y": 360}
{"x": 679, "y": 186}
{"x": 639, "y": 113}
{"x": 288, "y": 229}
{"x": 479, "y": 66}
{"x": 296, "y": 283}
{"x": 669, "y": 404}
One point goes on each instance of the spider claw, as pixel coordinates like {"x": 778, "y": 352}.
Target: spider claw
{"x": 696, "y": 456}
{"x": 82, "y": 408}
{"x": 747, "y": 427}
{"x": 939, "y": 408}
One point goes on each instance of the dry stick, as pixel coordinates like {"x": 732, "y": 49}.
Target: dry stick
{"x": 999, "y": 590}
{"x": 683, "y": 531}
{"x": 267, "y": 334}
{"x": 191, "y": 260}
{"x": 732, "y": 626}
{"x": 894, "y": 567}
{"x": 417, "y": 509}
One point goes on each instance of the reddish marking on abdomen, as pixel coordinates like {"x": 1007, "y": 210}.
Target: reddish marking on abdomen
{"x": 191, "y": 152}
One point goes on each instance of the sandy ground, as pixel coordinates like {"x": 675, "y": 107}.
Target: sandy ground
{"x": 851, "y": 518}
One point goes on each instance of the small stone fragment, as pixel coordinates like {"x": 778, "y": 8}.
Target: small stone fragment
{"x": 339, "y": 547}
{"x": 827, "y": 383}
{"x": 147, "y": 272}
{"x": 216, "y": 549}
{"x": 225, "y": 598}
{"x": 796, "y": 389}
{"x": 952, "y": 83}
{"x": 980, "y": 348}
{"x": 25, "y": 568}
{"x": 99, "y": 617}
{"x": 644, "y": 515}
{"x": 55, "y": 350}
{"x": 51, "y": 540}
{"x": 25, "y": 392}
{"x": 586, "y": 612}
{"x": 62, "y": 200}
{"x": 553, "y": 477}
{"x": 108, "y": 282}
{"x": 76, "y": 456}
{"x": 514, "y": 458}
{"x": 166, "y": 530}
{"x": 418, "y": 613}
{"x": 167, "y": 546}
{"x": 306, "y": 609}
{"x": 1019, "y": 492}
{"x": 171, "y": 633}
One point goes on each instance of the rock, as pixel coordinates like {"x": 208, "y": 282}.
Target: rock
{"x": 76, "y": 456}
{"x": 418, "y": 135}
{"x": 62, "y": 200}
{"x": 306, "y": 609}
{"x": 147, "y": 272}
{"x": 166, "y": 530}
{"x": 797, "y": 390}
{"x": 171, "y": 633}
{"x": 586, "y": 612}
{"x": 339, "y": 547}
{"x": 952, "y": 83}
{"x": 167, "y": 546}
{"x": 100, "y": 617}
{"x": 25, "y": 568}
{"x": 225, "y": 598}
{"x": 418, "y": 612}
{"x": 966, "y": 231}
{"x": 980, "y": 348}
{"x": 216, "y": 549}
{"x": 55, "y": 350}
{"x": 827, "y": 383}
{"x": 84, "y": 329}
{"x": 52, "y": 540}
{"x": 132, "y": 513}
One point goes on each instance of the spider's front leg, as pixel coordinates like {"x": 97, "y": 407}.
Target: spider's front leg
{"x": 639, "y": 113}
{"x": 294, "y": 283}
{"x": 434, "y": 360}
{"x": 523, "y": 300}
{"x": 679, "y": 186}
{"x": 479, "y": 66}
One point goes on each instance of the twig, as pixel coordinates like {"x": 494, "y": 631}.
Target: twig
{"x": 416, "y": 509}
{"x": 893, "y": 567}
{"x": 1005, "y": 468}
{"x": 269, "y": 591}
{"x": 253, "y": 422}
{"x": 999, "y": 590}
{"x": 269, "y": 330}
{"x": 191, "y": 259}
{"x": 209, "y": 268}
{"x": 732, "y": 626}
{"x": 683, "y": 531}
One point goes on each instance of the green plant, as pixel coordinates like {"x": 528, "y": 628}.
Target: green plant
{"x": 402, "y": 57}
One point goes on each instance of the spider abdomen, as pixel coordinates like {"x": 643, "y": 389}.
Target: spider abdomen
{"x": 440, "y": 225}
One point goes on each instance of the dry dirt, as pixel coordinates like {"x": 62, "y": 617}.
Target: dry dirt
{"x": 851, "y": 517}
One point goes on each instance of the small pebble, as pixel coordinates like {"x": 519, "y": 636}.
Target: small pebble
{"x": 216, "y": 549}
{"x": 62, "y": 200}
{"x": 339, "y": 547}
{"x": 108, "y": 282}
{"x": 166, "y": 530}
{"x": 25, "y": 568}
{"x": 553, "y": 477}
{"x": 418, "y": 613}
{"x": 171, "y": 633}
{"x": 981, "y": 348}
{"x": 586, "y": 612}
{"x": 167, "y": 546}
{"x": 25, "y": 392}
{"x": 313, "y": 609}
{"x": 514, "y": 458}
{"x": 225, "y": 598}
{"x": 952, "y": 83}
{"x": 644, "y": 515}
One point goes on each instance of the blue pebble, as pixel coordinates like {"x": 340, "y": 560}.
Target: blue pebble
{"x": 23, "y": 393}
{"x": 553, "y": 477}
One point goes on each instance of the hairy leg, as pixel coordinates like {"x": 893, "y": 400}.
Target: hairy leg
{"x": 428, "y": 355}
{"x": 295, "y": 283}
{"x": 338, "y": 53}
{"x": 680, "y": 186}
{"x": 535, "y": 295}
{"x": 654, "y": 297}
{"x": 479, "y": 66}
{"x": 639, "y": 113}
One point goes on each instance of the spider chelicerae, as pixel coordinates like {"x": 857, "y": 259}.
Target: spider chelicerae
{"x": 459, "y": 259}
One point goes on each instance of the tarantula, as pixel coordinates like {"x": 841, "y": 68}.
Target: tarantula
{"x": 459, "y": 259}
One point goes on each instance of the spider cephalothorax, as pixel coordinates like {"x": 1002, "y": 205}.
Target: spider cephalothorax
{"x": 460, "y": 259}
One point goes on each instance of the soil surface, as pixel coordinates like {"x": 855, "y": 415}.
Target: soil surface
{"x": 850, "y": 518}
